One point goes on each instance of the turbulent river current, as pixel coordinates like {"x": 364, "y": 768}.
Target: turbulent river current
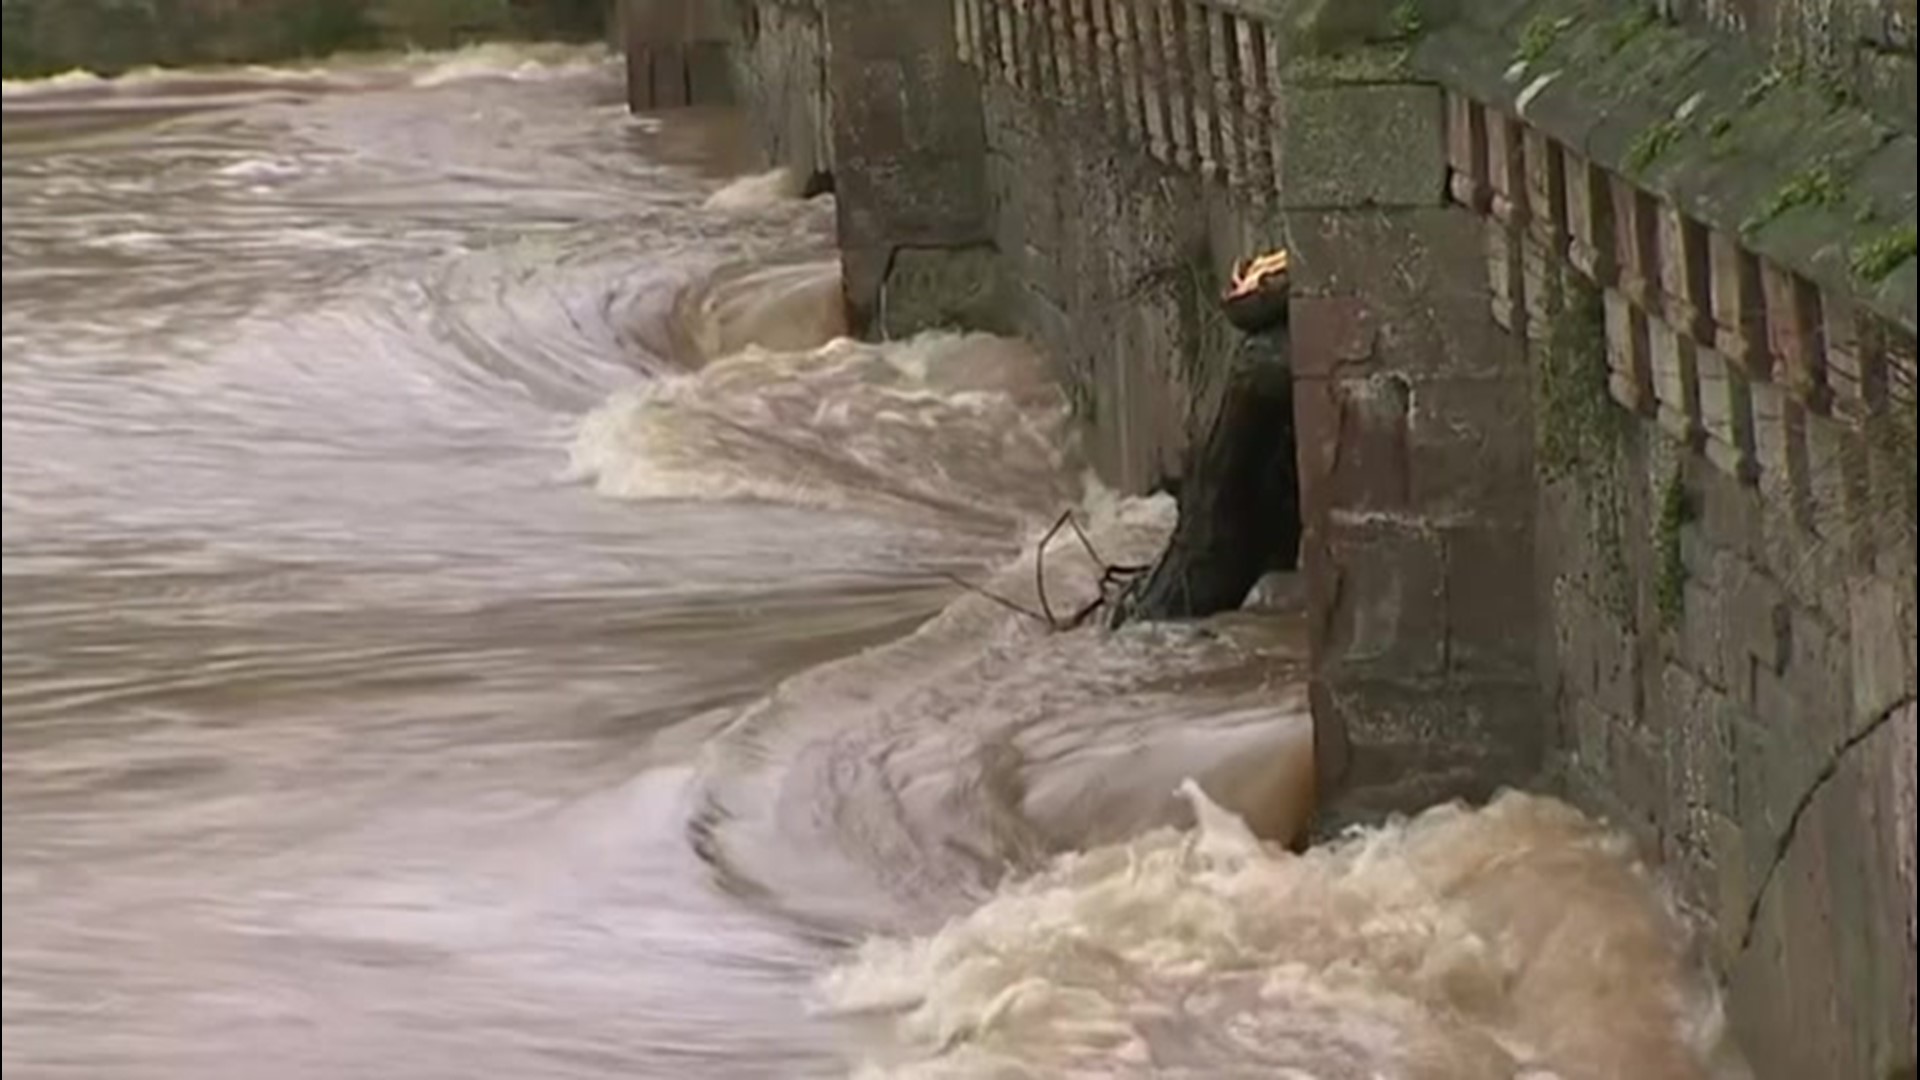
{"x": 469, "y": 612}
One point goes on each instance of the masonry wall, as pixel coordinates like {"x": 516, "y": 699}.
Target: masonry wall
{"x": 1603, "y": 330}
{"x": 779, "y": 66}
{"x": 1136, "y": 152}
{"x": 1863, "y": 47}
{"x": 1722, "y": 371}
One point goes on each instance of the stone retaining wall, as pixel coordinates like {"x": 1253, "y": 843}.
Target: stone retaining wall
{"x": 1605, "y": 340}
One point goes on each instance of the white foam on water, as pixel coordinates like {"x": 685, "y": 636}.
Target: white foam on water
{"x": 64, "y": 82}
{"x": 503, "y": 60}
{"x": 428, "y": 68}
{"x": 965, "y": 427}
{"x": 758, "y": 192}
{"x": 1518, "y": 939}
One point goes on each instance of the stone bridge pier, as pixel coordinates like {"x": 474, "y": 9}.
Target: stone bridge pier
{"x": 1603, "y": 331}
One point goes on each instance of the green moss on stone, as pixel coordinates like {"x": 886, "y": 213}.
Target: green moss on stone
{"x": 1877, "y": 259}
{"x": 1815, "y": 185}
{"x": 1581, "y": 433}
{"x": 1652, "y": 144}
{"x": 1408, "y": 22}
{"x": 1762, "y": 85}
{"x": 1580, "y": 425}
{"x": 1676, "y": 513}
{"x": 1722, "y": 142}
{"x": 1630, "y": 26}
{"x": 1539, "y": 35}
{"x": 1368, "y": 64}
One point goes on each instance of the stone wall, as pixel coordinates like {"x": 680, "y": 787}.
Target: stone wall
{"x": 779, "y": 64}
{"x": 677, "y": 53}
{"x": 1860, "y": 48}
{"x": 1723, "y": 388}
{"x": 1137, "y": 151}
{"x": 1604, "y": 343}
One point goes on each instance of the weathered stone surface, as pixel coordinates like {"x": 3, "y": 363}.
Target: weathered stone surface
{"x": 1357, "y": 453}
{"x": 1882, "y": 634}
{"x": 1365, "y": 145}
{"x": 779, "y": 76}
{"x": 1489, "y": 621}
{"x": 1853, "y": 976}
{"x": 935, "y": 288}
{"x": 908, "y": 141}
{"x": 1388, "y": 616}
{"x": 1412, "y": 744}
{"x": 1416, "y": 275}
{"x": 1332, "y": 335}
{"x": 1468, "y": 456}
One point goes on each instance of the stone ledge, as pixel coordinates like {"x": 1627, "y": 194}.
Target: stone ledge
{"x": 1706, "y": 125}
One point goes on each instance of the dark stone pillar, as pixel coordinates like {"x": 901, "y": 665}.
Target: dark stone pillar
{"x": 1415, "y": 458}
{"x": 909, "y": 154}
{"x": 676, "y": 53}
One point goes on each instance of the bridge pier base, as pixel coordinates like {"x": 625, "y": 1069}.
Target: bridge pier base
{"x": 676, "y": 54}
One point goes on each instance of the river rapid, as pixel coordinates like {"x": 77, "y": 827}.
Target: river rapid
{"x": 468, "y": 612}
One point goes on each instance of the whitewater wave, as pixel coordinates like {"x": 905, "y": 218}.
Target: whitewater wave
{"x": 964, "y": 427}
{"x": 901, "y": 786}
{"x": 758, "y": 192}
{"x": 1516, "y": 940}
{"x": 426, "y": 68}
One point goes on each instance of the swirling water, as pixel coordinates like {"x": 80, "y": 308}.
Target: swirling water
{"x": 468, "y": 613}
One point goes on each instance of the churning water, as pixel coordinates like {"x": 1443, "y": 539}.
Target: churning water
{"x": 468, "y": 613}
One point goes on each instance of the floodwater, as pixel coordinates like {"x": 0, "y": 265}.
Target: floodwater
{"x": 468, "y": 613}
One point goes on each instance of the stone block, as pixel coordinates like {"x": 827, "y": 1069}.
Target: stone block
{"x": 1738, "y": 309}
{"x": 1629, "y": 366}
{"x": 1829, "y": 446}
{"x": 1594, "y": 730}
{"x": 1759, "y": 621}
{"x": 1728, "y": 515}
{"x": 1506, "y": 170}
{"x": 1355, "y": 449}
{"x": 1590, "y": 221}
{"x": 1601, "y": 663}
{"x": 1361, "y": 145}
{"x": 1703, "y": 633}
{"x": 1467, "y": 152}
{"x": 1817, "y": 679}
{"x": 1759, "y": 1006}
{"x": 1685, "y": 269}
{"x": 1546, "y": 181}
{"x": 1389, "y": 615}
{"x": 1773, "y": 437}
{"x": 1695, "y": 751}
{"x": 1330, "y": 334}
{"x": 1816, "y": 988}
{"x": 1418, "y": 274}
{"x": 1726, "y": 414}
{"x": 1543, "y": 272}
{"x": 1881, "y": 634}
{"x": 1471, "y": 448}
{"x": 1795, "y": 335}
{"x": 1506, "y": 288}
{"x": 1733, "y": 888}
{"x": 1636, "y": 225}
{"x": 1490, "y": 622}
{"x": 1676, "y": 382}
{"x": 1412, "y": 744}
{"x": 1848, "y": 356}
{"x": 1637, "y": 774}
{"x": 1757, "y": 770}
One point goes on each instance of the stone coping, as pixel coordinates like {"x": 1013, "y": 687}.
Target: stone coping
{"x": 1802, "y": 175}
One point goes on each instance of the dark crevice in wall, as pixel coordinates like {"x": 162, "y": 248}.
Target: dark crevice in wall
{"x": 1239, "y": 496}
{"x": 1784, "y": 845}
